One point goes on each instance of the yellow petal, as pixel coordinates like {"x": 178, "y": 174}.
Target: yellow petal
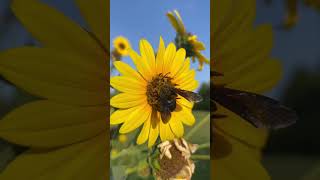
{"x": 202, "y": 60}
{"x": 260, "y": 79}
{"x": 193, "y": 85}
{"x": 96, "y": 15}
{"x": 169, "y": 55}
{"x": 199, "y": 46}
{"x": 160, "y": 55}
{"x": 221, "y": 7}
{"x": 45, "y": 23}
{"x": 183, "y": 102}
{"x": 239, "y": 128}
{"x": 185, "y": 116}
{"x": 135, "y": 57}
{"x": 126, "y": 70}
{"x": 165, "y": 131}
{"x": 126, "y": 100}
{"x": 234, "y": 61}
{"x": 120, "y": 115}
{"x": 148, "y": 54}
{"x": 176, "y": 22}
{"x": 173, "y": 21}
{"x": 228, "y": 19}
{"x": 69, "y": 162}
{"x": 184, "y": 69}
{"x": 177, "y": 62}
{"x": 180, "y": 22}
{"x": 154, "y": 128}
{"x": 136, "y": 119}
{"x": 128, "y": 85}
{"x": 252, "y": 169}
{"x": 141, "y": 64}
{"x": 144, "y": 134}
{"x": 176, "y": 126}
{"x": 54, "y": 75}
{"x": 48, "y": 124}
{"x": 185, "y": 78}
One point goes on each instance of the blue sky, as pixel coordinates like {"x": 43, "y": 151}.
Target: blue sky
{"x": 146, "y": 19}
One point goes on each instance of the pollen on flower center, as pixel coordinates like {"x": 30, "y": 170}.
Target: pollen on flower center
{"x": 161, "y": 94}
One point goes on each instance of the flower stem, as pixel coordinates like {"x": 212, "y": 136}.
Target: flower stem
{"x": 131, "y": 170}
{"x": 197, "y": 127}
{"x": 126, "y": 152}
{"x": 204, "y": 146}
{"x": 200, "y": 157}
{"x": 140, "y": 167}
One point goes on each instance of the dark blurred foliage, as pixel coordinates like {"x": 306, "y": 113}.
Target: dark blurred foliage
{"x": 204, "y": 91}
{"x": 303, "y": 95}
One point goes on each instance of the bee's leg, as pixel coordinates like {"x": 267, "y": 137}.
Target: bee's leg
{"x": 166, "y": 74}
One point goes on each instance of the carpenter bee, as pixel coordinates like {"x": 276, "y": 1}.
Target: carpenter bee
{"x": 167, "y": 100}
{"x": 258, "y": 110}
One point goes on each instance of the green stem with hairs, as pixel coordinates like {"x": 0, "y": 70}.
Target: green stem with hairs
{"x": 204, "y": 146}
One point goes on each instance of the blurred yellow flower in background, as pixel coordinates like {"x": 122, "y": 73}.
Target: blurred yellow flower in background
{"x": 187, "y": 40}
{"x": 143, "y": 93}
{"x": 122, "y": 45}
{"x": 240, "y": 61}
{"x": 122, "y": 138}
{"x": 66, "y": 130}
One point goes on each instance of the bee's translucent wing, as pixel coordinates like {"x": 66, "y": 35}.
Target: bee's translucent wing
{"x": 260, "y": 111}
{"x": 190, "y": 96}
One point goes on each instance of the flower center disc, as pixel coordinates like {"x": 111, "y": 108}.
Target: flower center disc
{"x": 122, "y": 46}
{"x": 169, "y": 168}
{"x": 161, "y": 93}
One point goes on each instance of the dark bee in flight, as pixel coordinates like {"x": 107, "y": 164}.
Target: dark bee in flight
{"x": 260, "y": 111}
{"x": 167, "y": 100}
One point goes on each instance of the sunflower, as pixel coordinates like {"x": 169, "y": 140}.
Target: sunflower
{"x": 65, "y": 130}
{"x": 241, "y": 53}
{"x": 121, "y": 45}
{"x": 187, "y": 40}
{"x": 144, "y": 91}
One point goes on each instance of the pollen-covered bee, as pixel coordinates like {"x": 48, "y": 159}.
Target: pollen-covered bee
{"x": 168, "y": 97}
{"x": 259, "y": 110}
{"x": 163, "y": 94}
